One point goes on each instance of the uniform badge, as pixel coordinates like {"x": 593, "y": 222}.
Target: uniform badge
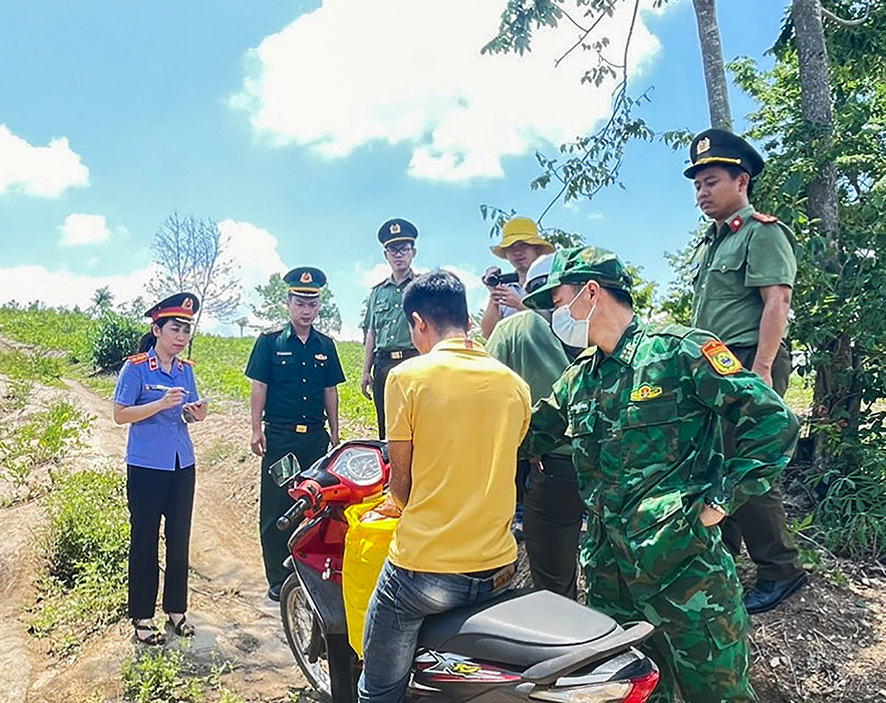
{"x": 645, "y": 392}
{"x": 704, "y": 145}
{"x": 320, "y": 357}
{"x": 188, "y": 304}
{"x": 735, "y": 223}
{"x": 394, "y": 228}
{"x": 152, "y": 363}
{"x": 723, "y": 360}
{"x": 306, "y": 277}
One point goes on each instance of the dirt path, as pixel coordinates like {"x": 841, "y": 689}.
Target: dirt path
{"x": 826, "y": 644}
{"x": 236, "y": 625}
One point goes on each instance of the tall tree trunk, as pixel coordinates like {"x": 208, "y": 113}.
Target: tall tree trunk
{"x": 836, "y": 395}
{"x": 712, "y": 59}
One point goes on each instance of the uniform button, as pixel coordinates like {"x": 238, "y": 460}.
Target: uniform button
{"x": 304, "y": 380}
{"x": 303, "y": 398}
{"x": 303, "y": 363}
{"x": 723, "y": 268}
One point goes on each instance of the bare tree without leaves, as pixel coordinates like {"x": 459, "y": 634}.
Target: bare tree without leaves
{"x": 193, "y": 256}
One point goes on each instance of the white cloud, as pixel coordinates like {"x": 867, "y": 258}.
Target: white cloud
{"x": 42, "y": 171}
{"x": 27, "y": 284}
{"x": 404, "y": 72}
{"x": 80, "y": 228}
{"x": 255, "y": 250}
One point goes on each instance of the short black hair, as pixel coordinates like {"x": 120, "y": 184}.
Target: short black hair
{"x": 735, "y": 171}
{"x": 439, "y": 298}
{"x": 622, "y": 297}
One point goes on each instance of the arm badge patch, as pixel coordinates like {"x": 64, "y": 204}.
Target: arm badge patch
{"x": 723, "y": 360}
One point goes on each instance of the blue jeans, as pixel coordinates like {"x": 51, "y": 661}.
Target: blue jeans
{"x": 401, "y": 601}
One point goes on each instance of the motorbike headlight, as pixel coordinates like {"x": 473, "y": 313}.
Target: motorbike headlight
{"x": 362, "y": 466}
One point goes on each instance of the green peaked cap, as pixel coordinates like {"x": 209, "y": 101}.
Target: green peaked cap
{"x": 578, "y": 265}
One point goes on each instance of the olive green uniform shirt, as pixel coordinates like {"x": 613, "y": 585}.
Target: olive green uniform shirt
{"x": 525, "y": 344}
{"x": 384, "y": 314}
{"x": 296, "y": 374}
{"x": 645, "y": 428}
{"x": 730, "y": 264}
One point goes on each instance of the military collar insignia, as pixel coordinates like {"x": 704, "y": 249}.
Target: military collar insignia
{"x": 153, "y": 364}
{"x": 180, "y": 365}
{"x": 645, "y": 392}
{"x": 394, "y": 228}
{"x": 703, "y": 146}
{"x": 735, "y": 223}
{"x": 719, "y": 356}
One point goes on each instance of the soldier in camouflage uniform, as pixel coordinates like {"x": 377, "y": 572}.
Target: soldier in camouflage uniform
{"x": 643, "y": 416}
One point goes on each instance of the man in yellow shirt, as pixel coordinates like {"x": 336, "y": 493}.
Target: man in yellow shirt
{"x": 455, "y": 418}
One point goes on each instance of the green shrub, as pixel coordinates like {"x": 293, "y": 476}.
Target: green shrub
{"x": 18, "y": 365}
{"x": 116, "y": 338}
{"x": 851, "y": 517}
{"x": 45, "y": 437}
{"x": 83, "y": 588}
{"x": 160, "y": 676}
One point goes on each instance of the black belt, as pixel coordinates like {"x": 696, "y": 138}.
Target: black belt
{"x": 396, "y": 355}
{"x": 303, "y": 428}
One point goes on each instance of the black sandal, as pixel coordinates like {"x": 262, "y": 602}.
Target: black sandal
{"x": 154, "y": 636}
{"x": 182, "y": 628}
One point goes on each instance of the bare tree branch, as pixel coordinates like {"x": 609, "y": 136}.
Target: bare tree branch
{"x": 846, "y": 22}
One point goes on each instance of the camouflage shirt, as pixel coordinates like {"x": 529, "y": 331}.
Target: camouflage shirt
{"x": 647, "y": 445}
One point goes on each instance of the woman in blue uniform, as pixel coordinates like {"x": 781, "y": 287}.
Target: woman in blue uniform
{"x": 156, "y": 396}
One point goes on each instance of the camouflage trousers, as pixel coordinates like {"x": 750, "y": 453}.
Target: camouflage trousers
{"x": 700, "y": 644}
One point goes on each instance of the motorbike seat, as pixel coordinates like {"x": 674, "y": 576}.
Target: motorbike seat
{"x": 519, "y": 629}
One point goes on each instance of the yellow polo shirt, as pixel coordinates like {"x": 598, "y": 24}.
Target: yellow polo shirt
{"x": 465, "y": 414}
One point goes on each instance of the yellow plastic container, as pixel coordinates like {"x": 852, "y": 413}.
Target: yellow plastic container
{"x": 366, "y": 547}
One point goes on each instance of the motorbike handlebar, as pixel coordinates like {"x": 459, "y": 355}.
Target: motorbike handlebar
{"x": 294, "y": 514}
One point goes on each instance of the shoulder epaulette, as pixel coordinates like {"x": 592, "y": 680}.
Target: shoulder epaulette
{"x": 763, "y": 217}
{"x": 138, "y": 358}
{"x": 275, "y": 330}
{"x": 188, "y": 362}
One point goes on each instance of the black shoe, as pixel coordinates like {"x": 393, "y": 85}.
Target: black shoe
{"x": 274, "y": 592}
{"x": 765, "y": 595}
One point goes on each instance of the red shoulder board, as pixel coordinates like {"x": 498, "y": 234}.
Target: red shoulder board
{"x": 138, "y": 358}
{"x": 188, "y": 362}
{"x": 763, "y": 217}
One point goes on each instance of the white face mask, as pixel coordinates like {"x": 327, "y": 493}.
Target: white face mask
{"x": 571, "y": 331}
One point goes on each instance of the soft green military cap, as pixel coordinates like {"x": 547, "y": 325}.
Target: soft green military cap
{"x": 579, "y": 265}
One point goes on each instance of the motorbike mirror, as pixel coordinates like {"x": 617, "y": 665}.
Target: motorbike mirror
{"x": 284, "y": 470}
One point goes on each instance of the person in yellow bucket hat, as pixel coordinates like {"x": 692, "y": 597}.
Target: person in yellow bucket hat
{"x": 520, "y": 245}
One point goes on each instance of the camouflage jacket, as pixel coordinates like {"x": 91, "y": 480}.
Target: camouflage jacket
{"x": 644, "y": 423}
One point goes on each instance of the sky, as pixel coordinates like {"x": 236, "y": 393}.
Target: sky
{"x": 301, "y": 126}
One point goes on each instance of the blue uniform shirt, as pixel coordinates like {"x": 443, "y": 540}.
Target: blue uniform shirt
{"x": 155, "y": 441}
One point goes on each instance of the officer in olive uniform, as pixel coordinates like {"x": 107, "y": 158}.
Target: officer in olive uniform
{"x": 641, "y": 412}
{"x": 294, "y": 372}
{"x": 744, "y": 270}
{"x": 386, "y": 333}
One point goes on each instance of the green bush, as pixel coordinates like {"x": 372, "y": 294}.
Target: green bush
{"x": 83, "y": 588}
{"x": 116, "y": 338}
{"x": 160, "y": 677}
{"x": 851, "y": 517}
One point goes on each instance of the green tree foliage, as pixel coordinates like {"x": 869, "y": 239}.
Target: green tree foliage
{"x": 839, "y": 291}
{"x": 273, "y": 306}
{"x": 102, "y": 299}
{"x": 116, "y": 338}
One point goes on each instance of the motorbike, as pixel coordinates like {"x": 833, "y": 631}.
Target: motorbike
{"x": 523, "y": 646}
